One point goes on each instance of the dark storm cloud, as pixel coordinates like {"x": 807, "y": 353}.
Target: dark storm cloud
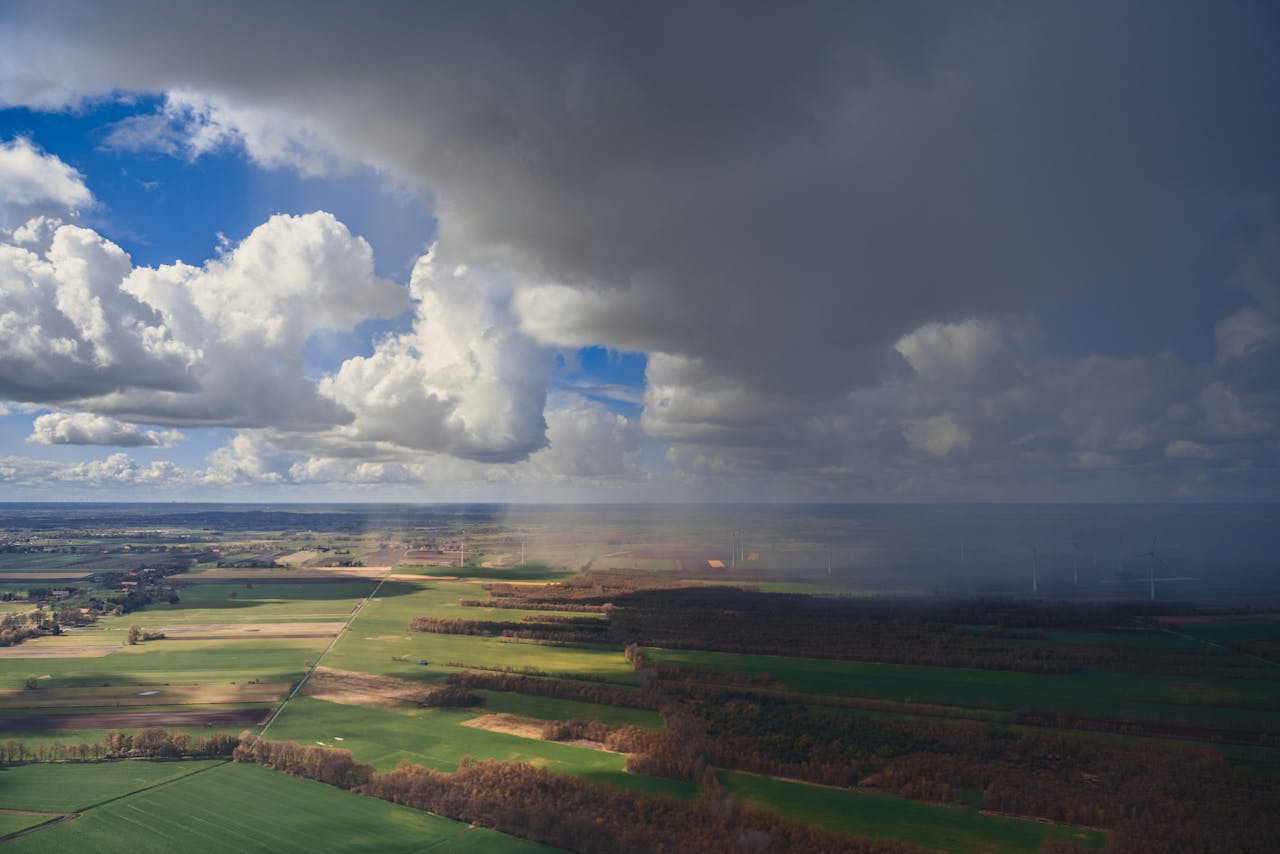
{"x": 831, "y": 173}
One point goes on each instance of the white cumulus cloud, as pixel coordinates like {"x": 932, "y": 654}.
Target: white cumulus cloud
{"x": 33, "y": 183}
{"x": 248, "y": 315}
{"x": 464, "y": 381}
{"x": 68, "y": 330}
{"x": 86, "y": 428}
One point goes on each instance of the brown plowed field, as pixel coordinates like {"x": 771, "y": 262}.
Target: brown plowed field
{"x": 364, "y": 689}
{"x": 509, "y": 724}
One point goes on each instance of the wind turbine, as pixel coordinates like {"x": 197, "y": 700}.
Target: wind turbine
{"x": 1153, "y": 558}
{"x": 1035, "y": 570}
{"x": 1151, "y": 553}
{"x": 1075, "y": 566}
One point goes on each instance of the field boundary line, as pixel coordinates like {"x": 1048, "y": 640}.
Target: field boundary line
{"x": 62, "y": 818}
{"x": 72, "y": 816}
{"x": 153, "y": 785}
{"x": 303, "y": 681}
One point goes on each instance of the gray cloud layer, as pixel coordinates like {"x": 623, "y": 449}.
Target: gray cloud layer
{"x": 775, "y": 201}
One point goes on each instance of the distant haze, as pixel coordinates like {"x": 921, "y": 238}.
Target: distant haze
{"x": 1199, "y": 553}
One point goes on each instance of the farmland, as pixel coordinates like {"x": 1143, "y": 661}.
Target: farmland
{"x": 1133, "y": 698}
{"x": 190, "y": 805}
{"x": 617, "y": 657}
{"x": 951, "y": 828}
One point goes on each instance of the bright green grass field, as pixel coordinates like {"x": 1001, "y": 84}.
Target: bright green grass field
{"x": 72, "y": 787}
{"x": 436, "y": 738}
{"x": 174, "y": 662}
{"x": 379, "y": 641}
{"x": 1186, "y": 701}
{"x": 241, "y": 808}
{"x": 931, "y": 825}
{"x": 263, "y": 602}
{"x": 13, "y": 822}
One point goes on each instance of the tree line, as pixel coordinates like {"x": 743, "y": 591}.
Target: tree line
{"x": 589, "y": 630}
{"x": 147, "y": 743}
{"x": 560, "y": 689}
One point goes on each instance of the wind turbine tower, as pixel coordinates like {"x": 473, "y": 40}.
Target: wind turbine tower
{"x": 1035, "y": 570}
{"x": 1151, "y": 556}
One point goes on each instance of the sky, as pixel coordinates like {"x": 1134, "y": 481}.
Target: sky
{"x": 563, "y": 251}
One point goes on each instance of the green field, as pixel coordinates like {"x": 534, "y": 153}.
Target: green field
{"x": 72, "y": 787}
{"x": 436, "y": 738}
{"x": 379, "y": 641}
{"x": 948, "y": 828}
{"x": 1232, "y": 630}
{"x": 232, "y": 807}
{"x": 254, "y": 601}
{"x": 1178, "y": 700}
{"x": 13, "y": 822}
{"x": 56, "y": 564}
{"x": 42, "y": 561}
{"x": 171, "y": 661}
